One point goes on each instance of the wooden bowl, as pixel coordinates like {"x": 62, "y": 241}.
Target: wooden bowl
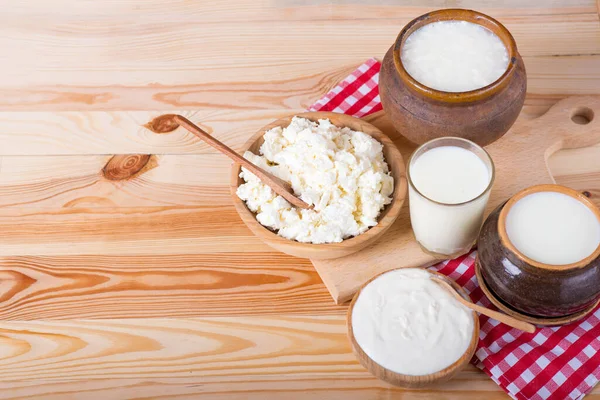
{"x": 421, "y": 113}
{"x": 329, "y": 250}
{"x": 412, "y": 381}
{"x": 530, "y": 287}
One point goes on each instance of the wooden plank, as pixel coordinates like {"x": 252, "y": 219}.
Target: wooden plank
{"x": 167, "y": 181}
{"x": 81, "y": 48}
{"x": 569, "y": 77}
{"x": 548, "y": 75}
{"x": 169, "y": 286}
{"x": 294, "y": 93}
{"x": 339, "y": 387}
{"x": 249, "y": 357}
{"x": 125, "y": 231}
{"x": 100, "y": 132}
{"x": 249, "y": 10}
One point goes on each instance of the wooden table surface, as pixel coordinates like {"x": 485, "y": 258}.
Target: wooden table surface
{"x": 153, "y": 288}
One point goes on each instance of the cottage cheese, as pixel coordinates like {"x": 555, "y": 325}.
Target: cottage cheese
{"x": 341, "y": 172}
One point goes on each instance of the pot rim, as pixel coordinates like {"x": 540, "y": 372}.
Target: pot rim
{"x": 546, "y": 188}
{"x": 453, "y": 14}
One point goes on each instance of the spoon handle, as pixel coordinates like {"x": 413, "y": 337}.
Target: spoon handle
{"x": 279, "y": 186}
{"x": 207, "y": 138}
{"x": 498, "y": 316}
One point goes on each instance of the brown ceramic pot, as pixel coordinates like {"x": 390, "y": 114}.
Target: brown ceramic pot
{"x": 421, "y": 113}
{"x": 529, "y": 286}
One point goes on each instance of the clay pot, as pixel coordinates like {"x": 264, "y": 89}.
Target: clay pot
{"x": 529, "y": 286}
{"x": 421, "y": 113}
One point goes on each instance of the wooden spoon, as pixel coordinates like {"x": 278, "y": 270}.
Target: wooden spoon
{"x": 505, "y": 319}
{"x": 279, "y": 186}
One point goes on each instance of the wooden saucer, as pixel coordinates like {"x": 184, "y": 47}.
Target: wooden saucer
{"x": 413, "y": 381}
{"x": 534, "y": 319}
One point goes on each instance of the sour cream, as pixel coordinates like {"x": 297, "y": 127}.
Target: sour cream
{"x": 408, "y": 324}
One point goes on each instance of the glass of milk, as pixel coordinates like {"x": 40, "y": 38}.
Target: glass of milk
{"x": 449, "y": 181}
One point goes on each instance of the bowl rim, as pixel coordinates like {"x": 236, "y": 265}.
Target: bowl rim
{"x": 413, "y": 380}
{"x": 545, "y": 188}
{"x": 392, "y": 210}
{"x": 457, "y": 14}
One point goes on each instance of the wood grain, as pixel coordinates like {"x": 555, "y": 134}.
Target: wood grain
{"x": 64, "y": 287}
{"x": 167, "y": 181}
{"x": 73, "y": 43}
{"x": 96, "y": 132}
{"x": 125, "y": 231}
{"x": 221, "y": 356}
{"x": 236, "y": 357}
{"x": 109, "y": 132}
{"x": 165, "y": 247}
{"x": 87, "y": 57}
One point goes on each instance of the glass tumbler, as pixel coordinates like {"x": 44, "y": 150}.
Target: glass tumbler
{"x": 447, "y": 230}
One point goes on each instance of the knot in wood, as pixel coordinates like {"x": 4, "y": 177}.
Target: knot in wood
{"x": 124, "y": 166}
{"x": 163, "y": 124}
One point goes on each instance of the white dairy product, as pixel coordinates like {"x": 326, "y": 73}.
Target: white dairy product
{"x": 407, "y": 323}
{"x": 340, "y": 171}
{"x": 454, "y": 56}
{"x": 553, "y": 228}
{"x": 449, "y": 175}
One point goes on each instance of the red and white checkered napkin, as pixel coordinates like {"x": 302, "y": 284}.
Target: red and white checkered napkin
{"x": 552, "y": 363}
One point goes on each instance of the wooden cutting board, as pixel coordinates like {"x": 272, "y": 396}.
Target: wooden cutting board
{"x": 521, "y": 160}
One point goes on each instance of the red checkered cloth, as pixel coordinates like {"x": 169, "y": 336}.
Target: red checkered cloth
{"x": 552, "y": 363}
